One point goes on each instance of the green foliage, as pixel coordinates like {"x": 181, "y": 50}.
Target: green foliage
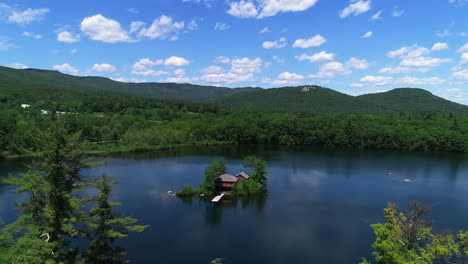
{"x": 259, "y": 171}
{"x": 463, "y": 237}
{"x": 53, "y": 217}
{"x": 246, "y": 188}
{"x": 187, "y": 191}
{"x": 408, "y": 238}
{"x": 106, "y": 226}
{"x": 212, "y": 172}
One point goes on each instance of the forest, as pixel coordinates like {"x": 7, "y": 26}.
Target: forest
{"x": 119, "y": 123}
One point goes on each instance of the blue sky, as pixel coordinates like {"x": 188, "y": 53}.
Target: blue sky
{"x": 355, "y": 47}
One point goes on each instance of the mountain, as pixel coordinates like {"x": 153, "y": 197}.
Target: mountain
{"x": 36, "y": 83}
{"x": 413, "y": 100}
{"x": 13, "y": 80}
{"x": 299, "y": 99}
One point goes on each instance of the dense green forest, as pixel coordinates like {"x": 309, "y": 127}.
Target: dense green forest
{"x": 119, "y": 123}
{"x": 310, "y": 99}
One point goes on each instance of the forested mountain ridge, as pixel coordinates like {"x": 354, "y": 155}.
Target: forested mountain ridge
{"x": 285, "y": 99}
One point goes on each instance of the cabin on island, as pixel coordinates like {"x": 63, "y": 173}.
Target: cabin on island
{"x": 226, "y": 182}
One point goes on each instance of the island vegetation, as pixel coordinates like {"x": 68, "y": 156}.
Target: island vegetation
{"x": 57, "y": 213}
{"x": 209, "y": 187}
{"x": 407, "y": 237}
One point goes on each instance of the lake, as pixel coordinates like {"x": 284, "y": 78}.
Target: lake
{"x": 318, "y": 207}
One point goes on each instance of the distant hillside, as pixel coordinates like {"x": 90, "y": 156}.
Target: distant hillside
{"x": 413, "y": 100}
{"x": 300, "y": 99}
{"x": 35, "y": 82}
{"x": 13, "y": 80}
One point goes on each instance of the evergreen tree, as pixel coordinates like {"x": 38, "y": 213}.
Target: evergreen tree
{"x": 106, "y": 227}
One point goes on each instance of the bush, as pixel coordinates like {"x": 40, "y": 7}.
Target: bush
{"x": 186, "y": 191}
{"x": 246, "y": 188}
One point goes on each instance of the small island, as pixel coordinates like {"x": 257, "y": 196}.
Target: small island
{"x": 217, "y": 180}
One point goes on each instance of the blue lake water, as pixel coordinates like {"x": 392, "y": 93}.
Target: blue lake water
{"x": 318, "y": 207}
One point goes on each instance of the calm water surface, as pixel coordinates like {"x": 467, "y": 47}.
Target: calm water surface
{"x": 318, "y": 208}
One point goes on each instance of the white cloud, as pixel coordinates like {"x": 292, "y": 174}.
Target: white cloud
{"x": 212, "y": 70}
{"x": 376, "y": 16}
{"x": 221, "y": 26}
{"x": 246, "y": 65}
{"x": 408, "y": 52}
{"x": 264, "y": 30}
{"x": 463, "y": 48}
{"x": 242, "y": 9}
{"x": 317, "y": 57}
{"x": 314, "y": 41}
{"x": 128, "y": 80}
{"x": 330, "y": 69}
{"x": 68, "y": 37}
{"x": 31, "y": 35}
{"x": 135, "y": 26}
{"x": 163, "y": 27}
{"x": 376, "y": 80}
{"x": 17, "y": 65}
{"x": 423, "y": 61}
{"x": 357, "y": 64}
{"x": 100, "y": 28}
{"x": 267, "y": 8}
{"x": 397, "y": 13}
{"x": 273, "y": 7}
{"x": 73, "y": 51}
{"x": 396, "y": 70}
{"x": 356, "y": 8}
{"x": 66, "y": 68}
{"x": 367, "y": 35}
{"x": 357, "y": 85}
{"x": 439, "y": 46}
{"x": 464, "y": 58}
{"x": 223, "y": 60}
{"x": 24, "y": 17}
{"x": 176, "y": 61}
{"x": 144, "y": 66}
{"x": 104, "y": 67}
{"x": 242, "y": 70}
{"x": 287, "y": 78}
{"x": 277, "y": 44}
{"x": 193, "y": 25}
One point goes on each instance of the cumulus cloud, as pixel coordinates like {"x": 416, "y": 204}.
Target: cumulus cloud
{"x": 163, "y": 27}
{"x": 145, "y": 66}
{"x": 66, "y": 68}
{"x": 6, "y": 45}
{"x": 212, "y": 70}
{"x": 241, "y": 70}
{"x": 27, "y": 16}
{"x": 423, "y": 61}
{"x": 267, "y": 8}
{"x": 439, "y": 46}
{"x": 67, "y": 37}
{"x": 314, "y": 41}
{"x": 103, "y": 29}
{"x": 287, "y": 78}
{"x": 316, "y": 57}
{"x": 277, "y": 44}
{"x": 356, "y": 8}
{"x": 376, "y": 80}
{"x": 242, "y": 9}
{"x": 330, "y": 69}
{"x": 176, "y": 61}
{"x": 104, "y": 67}
{"x": 367, "y": 35}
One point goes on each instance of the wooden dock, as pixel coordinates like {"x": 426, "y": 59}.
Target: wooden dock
{"x": 217, "y": 198}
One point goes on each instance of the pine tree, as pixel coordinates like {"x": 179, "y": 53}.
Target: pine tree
{"x": 106, "y": 226}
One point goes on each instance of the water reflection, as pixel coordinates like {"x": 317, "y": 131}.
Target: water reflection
{"x": 317, "y": 201}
